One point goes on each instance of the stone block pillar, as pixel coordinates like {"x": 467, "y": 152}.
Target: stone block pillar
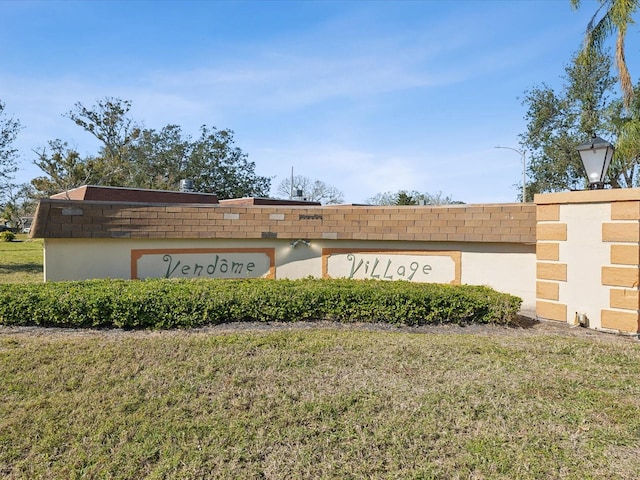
{"x": 588, "y": 258}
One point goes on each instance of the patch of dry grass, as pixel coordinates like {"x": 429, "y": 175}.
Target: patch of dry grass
{"x": 318, "y": 403}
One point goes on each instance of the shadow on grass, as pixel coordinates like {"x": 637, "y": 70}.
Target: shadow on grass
{"x": 15, "y": 268}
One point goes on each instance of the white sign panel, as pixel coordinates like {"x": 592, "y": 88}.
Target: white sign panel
{"x": 200, "y": 263}
{"x": 418, "y": 267}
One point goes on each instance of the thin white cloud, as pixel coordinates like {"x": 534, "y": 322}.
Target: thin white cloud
{"x": 359, "y": 174}
{"x": 320, "y": 97}
{"x": 335, "y": 62}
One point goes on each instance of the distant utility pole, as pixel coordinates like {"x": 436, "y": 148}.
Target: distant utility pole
{"x": 523, "y": 155}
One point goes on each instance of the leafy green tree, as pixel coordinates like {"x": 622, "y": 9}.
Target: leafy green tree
{"x": 9, "y": 128}
{"x": 21, "y": 201}
{"x": 109, "y": 123}
{"x": 404, "y": 197}
{"x": 64, "y": 169}
{"x": 624, "y": 123}
{"x": 159, "y": 158}
{"x": 217, "y": 166}
{"x": 130, "y": 156}
{"x": 557, "y": 122}
{"x": 312, "y": 190}
{"x": 612, "y": 16}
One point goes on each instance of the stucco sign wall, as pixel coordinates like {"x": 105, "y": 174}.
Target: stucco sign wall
{"x": 204, "y": 263}
{"x": 412, "y": 266}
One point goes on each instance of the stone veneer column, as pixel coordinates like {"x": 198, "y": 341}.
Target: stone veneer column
{"x": 588, "y": 258}
{"x": 550, "y": 272}
{"x": 623, "y": 235}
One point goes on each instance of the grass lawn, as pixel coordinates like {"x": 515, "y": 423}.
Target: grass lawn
{"x": 21, "y": 261}
{"x": 289, "y": 403}
{"x": 317, "y": 403}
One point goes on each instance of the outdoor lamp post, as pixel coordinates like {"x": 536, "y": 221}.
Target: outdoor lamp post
{"x": 596, "y": 155}
{"x": 523, "y": 156}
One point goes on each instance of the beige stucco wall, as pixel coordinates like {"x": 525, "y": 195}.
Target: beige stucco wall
{"x": 508, "y": 268}
{"x": 570, "y": 253}
{"x": 588, "y": 258}
{"x": 584, "y": 254}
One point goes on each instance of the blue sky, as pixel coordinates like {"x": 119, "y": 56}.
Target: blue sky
{"x": 367, "y": 96}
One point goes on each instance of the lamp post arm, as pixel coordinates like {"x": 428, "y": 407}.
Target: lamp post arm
{"x": 523, "y": 156}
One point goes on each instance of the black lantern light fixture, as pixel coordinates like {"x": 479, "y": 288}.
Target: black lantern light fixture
{"x": 596, "y": 155}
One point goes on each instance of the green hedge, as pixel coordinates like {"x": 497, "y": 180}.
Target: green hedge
{"x": 164, "y": 303}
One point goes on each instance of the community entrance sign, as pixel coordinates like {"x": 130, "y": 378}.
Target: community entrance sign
{"x": 203, "y": 263}
{"x": 412, "y": 266}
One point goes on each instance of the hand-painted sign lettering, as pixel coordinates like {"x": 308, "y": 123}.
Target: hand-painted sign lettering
{"x": 213, "y": 265}
{"x": 389, "y": 270}
{"x": 422, "y": 266}
{"x": 205, "y": 263}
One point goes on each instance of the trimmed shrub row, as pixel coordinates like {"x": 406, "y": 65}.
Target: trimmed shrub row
{"x": 160, "y": 304}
